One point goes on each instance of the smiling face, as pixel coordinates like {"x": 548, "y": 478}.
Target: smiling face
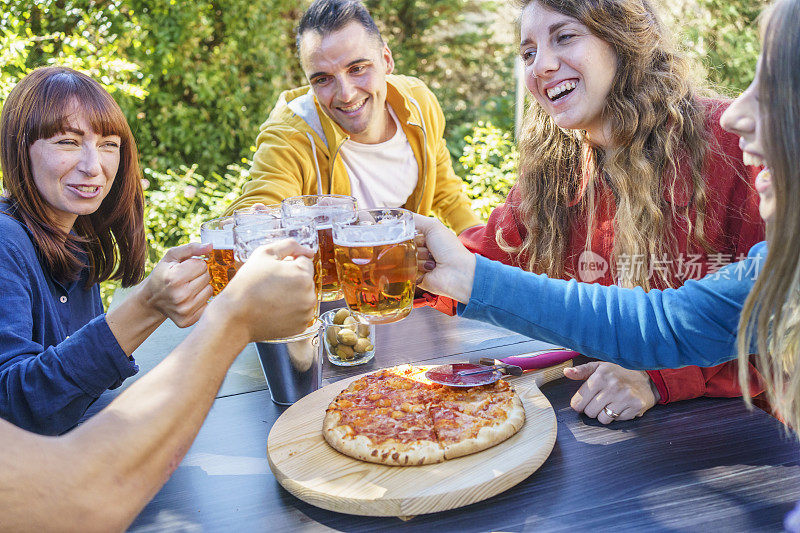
{"x": 75, "y": 169}
{"x": 744, "y": 119}
{"x": 347, "y": 70}
{"x": 568, "y": 70}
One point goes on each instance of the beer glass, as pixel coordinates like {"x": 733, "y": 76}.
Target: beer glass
{"x": 250, "y": 236}
{"x": 221, "y": 266}
{"x": 247, "y": 215}
{"x": 377, "y": 264}
{"x": 248, "y": 230}
{"x": 324, "y": 209}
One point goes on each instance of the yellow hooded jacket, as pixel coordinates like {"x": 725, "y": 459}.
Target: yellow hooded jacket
{"x": 297, "y": 152}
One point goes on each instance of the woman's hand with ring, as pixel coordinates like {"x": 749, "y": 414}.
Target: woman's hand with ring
{"x": 612, "y": 390}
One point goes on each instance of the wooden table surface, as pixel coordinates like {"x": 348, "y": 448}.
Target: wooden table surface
{"x": 699, "y": 465}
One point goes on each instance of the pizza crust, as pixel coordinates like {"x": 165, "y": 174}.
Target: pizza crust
{"x": 491, "y": 435}
{"x": 389, "y": 452}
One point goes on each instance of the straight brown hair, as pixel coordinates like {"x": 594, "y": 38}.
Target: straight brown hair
{"x": 113, "y": 236}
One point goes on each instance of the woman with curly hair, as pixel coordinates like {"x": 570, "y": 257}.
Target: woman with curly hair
{"x": 625, "y": 177}
{"x": 72, "y": 217}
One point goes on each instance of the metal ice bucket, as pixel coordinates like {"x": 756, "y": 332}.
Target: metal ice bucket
{"x": 292, "y": 366}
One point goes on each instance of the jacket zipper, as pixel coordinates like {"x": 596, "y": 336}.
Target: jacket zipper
{"x": 424, "y": 162}
{"x": 424, "y": 151}
{"x": 333, "y": 162}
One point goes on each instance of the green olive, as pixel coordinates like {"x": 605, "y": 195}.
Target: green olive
{"x": 345, "y": 352}
{"x": 330, "y": 333}
{"x": 340, "y": 316}
{"x": 363, "y": 346}
{"x": 346, "y": 336}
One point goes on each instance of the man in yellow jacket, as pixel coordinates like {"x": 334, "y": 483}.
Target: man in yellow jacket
{"x": 356, "y": 129}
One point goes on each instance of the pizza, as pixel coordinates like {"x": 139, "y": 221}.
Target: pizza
{"x": 398, "y": 417}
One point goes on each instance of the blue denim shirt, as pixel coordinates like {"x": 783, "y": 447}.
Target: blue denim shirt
{"x": 695, "y": 324}
{"x": 57, "y": 353}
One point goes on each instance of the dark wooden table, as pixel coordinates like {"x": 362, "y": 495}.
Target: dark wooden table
{"x": 700, "y": 465}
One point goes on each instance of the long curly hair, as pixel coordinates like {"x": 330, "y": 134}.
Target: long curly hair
{"x": 113, "y": 236}
{"x": 658, "y": 142}
{"x": 771, "y": 314}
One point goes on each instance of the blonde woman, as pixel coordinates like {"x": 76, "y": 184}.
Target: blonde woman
{"x": 625, "y": 178}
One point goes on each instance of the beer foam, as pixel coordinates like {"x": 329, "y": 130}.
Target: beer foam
{"x": 220, "y": 238}
{"x": 364, "y": 244}
{"x": 324, "y": 216}
{"x": 372, "y": 235}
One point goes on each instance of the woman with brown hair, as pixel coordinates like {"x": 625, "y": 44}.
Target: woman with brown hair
{"x": 625, "y": 177}
{"x": 72, "y": 217}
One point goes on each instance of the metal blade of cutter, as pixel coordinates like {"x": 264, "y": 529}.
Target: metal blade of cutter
{"x": 469, "y": 374}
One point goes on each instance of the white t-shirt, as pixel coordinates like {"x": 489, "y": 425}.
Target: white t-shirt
{"x": 383, "y": 174}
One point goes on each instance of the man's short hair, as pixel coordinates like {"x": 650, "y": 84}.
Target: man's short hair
{"x": 327, "y": 16}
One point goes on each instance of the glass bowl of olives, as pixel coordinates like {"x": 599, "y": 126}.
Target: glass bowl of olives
{"x": 347, "y": 341}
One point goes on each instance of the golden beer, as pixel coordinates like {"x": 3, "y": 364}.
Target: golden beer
{"x": 219, "y": 233}
{"x": 378, "y": 280}
{"x": 329, "y": 277}
{"x": 324, "y": 209}
{"x": 319, "y": 275}
{"x": 221, "y": 268}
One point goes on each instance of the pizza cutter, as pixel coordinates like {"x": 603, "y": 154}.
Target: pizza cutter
{"x": 489, "y": 370}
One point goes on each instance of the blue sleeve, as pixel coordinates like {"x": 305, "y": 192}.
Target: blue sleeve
{"x": 49, "y": 379}
{"x": 694, "y": 324}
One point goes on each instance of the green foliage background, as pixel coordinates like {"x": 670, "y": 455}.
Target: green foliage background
{"x": 195, "y": 80}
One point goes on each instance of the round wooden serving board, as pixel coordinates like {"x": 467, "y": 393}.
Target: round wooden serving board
{"x": 305, "y": 465}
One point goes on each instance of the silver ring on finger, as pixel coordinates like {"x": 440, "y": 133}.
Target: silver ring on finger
{"x": 611, "y": 414}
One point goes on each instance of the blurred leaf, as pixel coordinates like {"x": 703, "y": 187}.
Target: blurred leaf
{"x": 490, "y": 159}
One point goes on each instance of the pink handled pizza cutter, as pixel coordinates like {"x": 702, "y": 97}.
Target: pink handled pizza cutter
{"x": 489, "y": 370}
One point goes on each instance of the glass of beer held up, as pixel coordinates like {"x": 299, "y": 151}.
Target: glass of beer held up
{"x": 250, "y": 236}
{"x": 221, "y": 267}
{"x": 324, "y": 209}
{"x": 377, "y": 264}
